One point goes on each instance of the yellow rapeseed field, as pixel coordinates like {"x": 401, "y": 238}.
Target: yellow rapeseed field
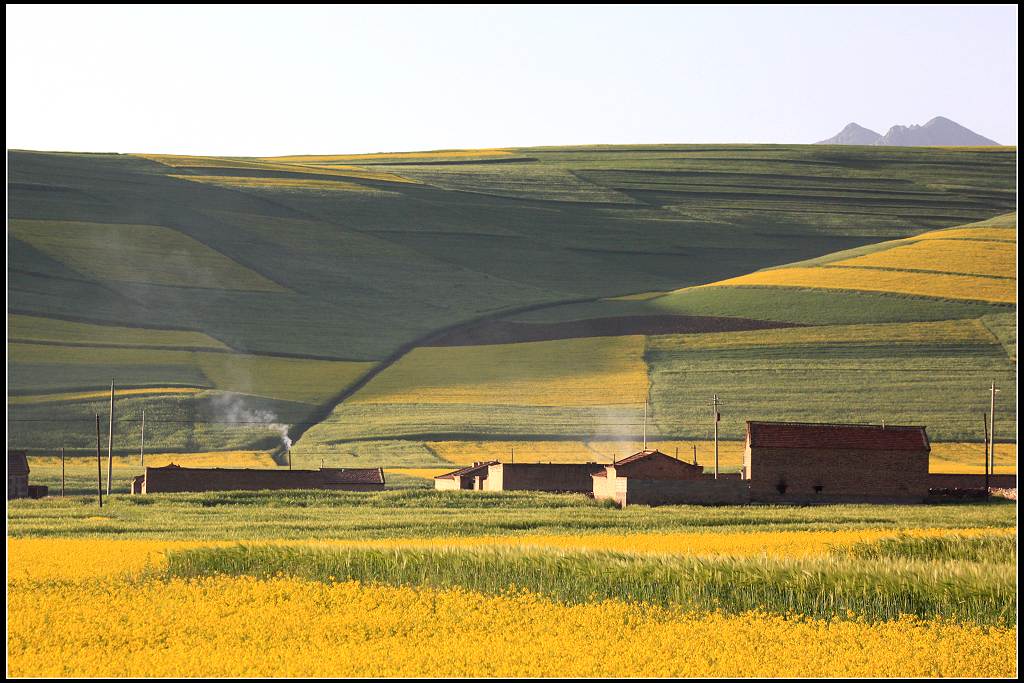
{"x": 961, "y": 256}
{"x": 75, "y": 558}
{"x": 940, "y": 285}
{"x": 179, "y": 161}
{"x": 565, "y": 372}
{"x": 945, "y": 331}
{"x": 969, "y": 458}
{"x": 93, "y": 395}
{"x": 276, "y": 183}
{"x": 997, "y": 234}
{"x": 467, "y": 452}
{"x": 946, "y": 457}
{"x": 287, "y": 627}
{"x": 204, "y": 459}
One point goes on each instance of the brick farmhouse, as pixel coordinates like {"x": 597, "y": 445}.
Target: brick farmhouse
{"x": 788, "y": 462}
{"x": 651, "y": 477}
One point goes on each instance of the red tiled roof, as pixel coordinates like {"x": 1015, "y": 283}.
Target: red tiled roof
{"x": 472, "y": 469}
{"x": 836, "y": 436}
{"x": 17, "y": 463}
{"x": 639, "y": 456}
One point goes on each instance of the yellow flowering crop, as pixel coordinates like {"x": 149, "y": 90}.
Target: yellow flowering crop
{"x": 564, "y": 372}
{"x": 73, "y": 558}
{"x": 997, "y": 234}
{"x": 941, "y": 285}
{"x": 276, "y": 183}
{"x": 286, "y": 627}
{"x": 966, "y": 257}
{"x": 93, "y": 395}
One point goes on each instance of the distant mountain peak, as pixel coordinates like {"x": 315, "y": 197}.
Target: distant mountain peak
{"x": 939, "y": 131}
{"x": 853, "y": 134}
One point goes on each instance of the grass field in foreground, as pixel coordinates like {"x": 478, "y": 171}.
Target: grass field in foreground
{"x": 419, "y": 513}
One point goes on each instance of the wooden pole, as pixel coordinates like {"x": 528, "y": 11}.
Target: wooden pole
{"x": 992, "y": 430}
{"x": 142, "y": 441}
{"x": 645, "y": 425}
{"x": 61, "y": 471}
{"x": 714, "y": 409}
{"x": 984, "y": 419}
{"x": 110, "y": 440}
{"x": 99, "y": 462}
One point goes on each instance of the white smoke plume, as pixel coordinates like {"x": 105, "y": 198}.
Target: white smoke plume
{"x": 231, "y": 408}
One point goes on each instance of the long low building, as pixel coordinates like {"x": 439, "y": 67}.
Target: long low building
{"x": 177, "y": 479}
{"x": 552, "y": 477}
{"x": 795, "y": 462}
{"x": 527, "y": 476}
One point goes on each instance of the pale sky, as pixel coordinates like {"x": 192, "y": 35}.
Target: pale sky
{"x": 259, "y": 80}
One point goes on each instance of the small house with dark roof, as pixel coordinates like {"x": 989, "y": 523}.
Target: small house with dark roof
{"x": 175, "y": 479}
{"x": 651, "y": 477}
{"x": 794, "y": 462}
{"x": 17, "y": 474}
{"x": 466, "y": 479}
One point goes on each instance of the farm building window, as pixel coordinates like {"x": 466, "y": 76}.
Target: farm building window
{"x": 818, "y": 488}
{"x": 781, "y": 487}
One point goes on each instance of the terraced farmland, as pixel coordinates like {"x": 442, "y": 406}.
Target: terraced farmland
{"x": 869, "y": 357}
{"x": 281, "y": 282}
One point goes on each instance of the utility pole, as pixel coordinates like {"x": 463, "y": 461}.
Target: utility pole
{"x": 992, "y": 429}
{"x": 645, "y": 425}
{"x": 694, "y": 454}
{"x": 717, "y": 416}
{"x": 61, "y": 471}
{"x": 513, "y": 454}
{"x": 984, "y": 419}
{"x": 99, "y": 462}
{"x": 142, "y": 441}
{"x": 110, "y": 439}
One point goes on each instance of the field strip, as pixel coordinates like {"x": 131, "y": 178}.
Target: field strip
{"x": 242, "y": 627}
{"x": 937, "y": 285}
{"x": 51, "y": 557}
{"x": 93, "y": 395}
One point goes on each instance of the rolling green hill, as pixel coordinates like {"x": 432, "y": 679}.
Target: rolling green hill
{"x": 276, "y": 287}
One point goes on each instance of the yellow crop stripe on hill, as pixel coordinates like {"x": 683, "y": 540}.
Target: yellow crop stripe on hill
{"x": 945, "y": 331}
{"x": 994, "y": 234}
{"x": 149, "y": 254}
{"x": 962, "y": 257}
{"x": 177, "y": 161}
{"x": 228, "y": 459}
{"x": 455, "y": 154}
{"x": 467, "y": 452}
{"x": 275, "y": 183}
{"x": 946, "y": 457}
{"x": 573, "y": 372}
{"x": 938, "y": 285}
{"x": 93, "y": 395}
